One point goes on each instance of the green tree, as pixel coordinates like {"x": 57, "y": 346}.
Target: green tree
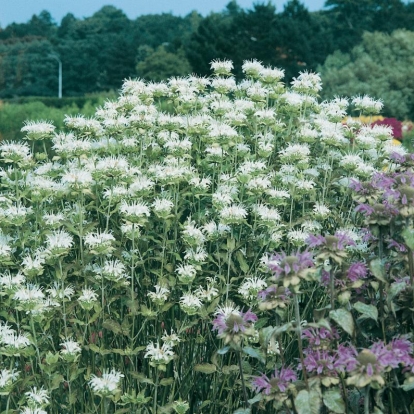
{"x": 161, "y": 64}
{"x": 381, "y": 66}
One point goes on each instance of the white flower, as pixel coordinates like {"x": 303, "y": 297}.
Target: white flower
{"x": 297, "y": 237}
{"x": 258, "y": 184}
{"x": 115, "y": 193}
{"x": 7, "y": 377}
{"x": 172, "y": 339}
{"x": 186, "y": 273}
{"x": 233, "y": 214}
{"x": 266, "y": 214}
{"x": 224, "y": 85}
{"x": 221, "y": 67}
{"x": 33, "y": 266}
{"x": 14, "y": 340}
{"x": 88, "y": 295}
{"x": 350, "y": 161}
{"x": 11, "y": 282}
{"x": 197, "y": 256}
{"x": 321, "y": 211}
{"x": 293, "y": 99}
{"x": 244, "y": 105}
{"x": 214, "y": 230}
{"x": 70, "y": 347}
{"x": 251, "y": 287}
{"x": 135, "y": 212}
{"x": 112, "y": 165}
{"x": 61, "y": 292}
{"x": 38, "y": 129}
{"x": 191, "y": 234}
{"x": 307, "y": 82}
{"x": 159, "y": 355}
{"x": 107, "y": 384}
{"x": 209, "y": 293}
{"x": 37, "y": 397}
{"x": 114, "y": 270}
{"x": 367, "y": 105}
{"x": 190, "y": 303}
{"x": 101, "y": 241}
{"x": 30, "y": 293}
{"x": 13, "y": 151}
{"x": 77, "y": 178}
{"x": 295, "y": 153}
{"x": 311, "y": 226}
{"x": 252, "y": 67}
{"x": 87, "y": 298}
{"x": 215, "y": 151}
{"x": 333, "y": 111}
{"x": 160, "y": 295}
{"x": 162, "y": 206}
{"x": 15, "y": 214}
{"x": 52, "y": 219}
{"x": 200, "y": 183}
{"x": 32, "y": 410}
{"x": 271, "y": 75}
{"x": 58, "y": 242}
{"x": 278, "y": 193}
{"x": 252, "y": 167}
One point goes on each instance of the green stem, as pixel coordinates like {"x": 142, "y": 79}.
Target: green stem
{"x": 366, "y": 400}
{"x": 299, "y": 335}
{"x": 246, "y": 404}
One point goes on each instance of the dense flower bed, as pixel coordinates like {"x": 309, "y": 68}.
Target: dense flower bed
{"x": 244, "y": 251}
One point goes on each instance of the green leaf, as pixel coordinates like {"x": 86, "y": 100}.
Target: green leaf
{"x": 408, "y": 236}
{"x": 167, "y": 381}
{"x": 261, "y": 323}
{"x": 377, "y": 268}
{"x": 242, "y": 261}
{"x": 395, "y": 289}
{"x": 112, "y": 326}
{"x": 205, "y": 368}
{"x": 308, "y": 402}
{"x": 228, "y": 369}
{"x": 255, "y": 399}
{"x": 254, "y": 353}
{"x": 56, "y": 380}
{"x": 223, "y": 350}
{"x": 368, "y": 311}
{"x": 333, "y": 401}
{"x": 344, "y": 319}
{"x": 408, "y": 384}
{"x": 243, "y": 411}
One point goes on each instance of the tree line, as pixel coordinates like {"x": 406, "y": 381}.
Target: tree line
{"x": 100, "y": 51}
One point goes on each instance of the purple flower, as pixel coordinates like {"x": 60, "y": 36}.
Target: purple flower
{"x": 339, "y": 241}
{"x": 397, "y": 158}
{"x": 231, "y": 324}
{"x": 399, "y": 246}
{"x": 365, "y": 209}
{"x": 346, "y": 358}
{"x": 319, "y": 336}
{"x": 291, "y": 268}
{"x": 320, "y": 362}
{"x": 278, "y": 382}
{"x": 356, "y": 271}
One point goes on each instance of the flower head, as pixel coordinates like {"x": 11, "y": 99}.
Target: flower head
{"x": 107, "y": 384}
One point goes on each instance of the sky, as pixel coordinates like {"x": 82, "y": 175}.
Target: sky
{"x": 20, "y": 11}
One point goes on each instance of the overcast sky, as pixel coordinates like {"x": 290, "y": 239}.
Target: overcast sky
{"x": 20, "y": 11}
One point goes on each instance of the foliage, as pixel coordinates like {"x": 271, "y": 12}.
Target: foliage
{"x": 14, "y": 114}
{"x": 160, "y": 64}
{"x": 137, "y": 268}
{"x": 379, "y": 66}
{"x": 99, "y": 52}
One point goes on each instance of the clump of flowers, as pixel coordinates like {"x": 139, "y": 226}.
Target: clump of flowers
{"x": 233, "y": 325}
